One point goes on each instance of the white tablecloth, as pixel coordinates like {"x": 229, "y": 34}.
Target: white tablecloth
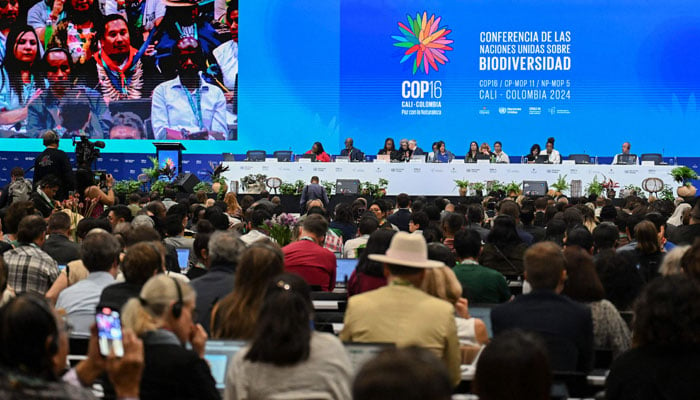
{"x": 438, "y": 179}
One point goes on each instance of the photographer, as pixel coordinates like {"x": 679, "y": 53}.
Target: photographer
{"x": 100, "y": 198}
{"x": 53, "y": 161}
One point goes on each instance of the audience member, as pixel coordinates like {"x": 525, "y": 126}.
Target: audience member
{"x": 34, "y": 354}
{"x": 313, "y": 191}
{"x": 565, "y": 325}
{"x": 479, "y": 284}
{"x": 663, "y": 360}
{"x": 19, "y": 188}
{"x": 236, "y": 315}
{"x": 690, "y": 263}
{"x": 162, "y": 316}
{"x": 439, "y": 252}
{"x": 200, "y": 246}
{"x": 504, "y": 249}
{"x": 396, "y": 313}
{"x": 30, "y": 269}
{"x": 686, "y": 234}
{"x": 410, "y": 373}
{"x": 451, "y": 224}
{"x": 419, "y": 220}
{"x": 225, "y": 249}
{"x": 401, "y": 217}
{"x": 307, "y": 258}
{"x": 141, "y": 262}
{"x": 605, "y": 237}
{"x": 380, "y": 210}
{"x": 100, "y": 254}
{"x": 58, "y": 245}
{"x": 671, "y": 264}
{"x": 369, "y": 274}
{"x": 583, "y": 285}
{"x": 286, "y": 357}
{"x": 353, "y": 247}
{"x": 442, "y": 283}
{"x": 343, "y": 222}
{"x": 520, "y": 356}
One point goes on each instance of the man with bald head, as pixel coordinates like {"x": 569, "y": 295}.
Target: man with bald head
{"x": 350, "y": 151}
{"x": 187, "y": 107}
{"x": 625, "y": 157}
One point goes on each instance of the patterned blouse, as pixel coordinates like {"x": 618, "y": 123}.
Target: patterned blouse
{"x": 609, "y": 329}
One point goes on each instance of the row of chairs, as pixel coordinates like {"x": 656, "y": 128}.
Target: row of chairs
{"x": 286, "y": 156}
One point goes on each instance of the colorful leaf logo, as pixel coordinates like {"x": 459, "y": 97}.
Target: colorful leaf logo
{"x": 425, "y": 41}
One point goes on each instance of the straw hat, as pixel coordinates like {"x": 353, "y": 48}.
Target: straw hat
{"x": 407, "y": 250}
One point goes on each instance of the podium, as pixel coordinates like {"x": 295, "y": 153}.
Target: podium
{"x": 170, "y": 152}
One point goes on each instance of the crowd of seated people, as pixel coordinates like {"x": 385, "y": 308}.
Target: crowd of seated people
{"x": 116, "y": 69}
{"x": 561, "y": 278}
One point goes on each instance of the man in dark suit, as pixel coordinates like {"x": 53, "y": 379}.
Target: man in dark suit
{"x": 58, "y": 246}
{"x": 313, "y": 191}
{"x": 565, "y": 326}
{"x": 403, "y": 215}
{"x": 44, "y": 198}
{"x": 225, "y": 248}
{"x": 350, "y": 151}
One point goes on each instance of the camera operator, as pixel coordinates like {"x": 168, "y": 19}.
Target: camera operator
{"x": 54, "y": 161}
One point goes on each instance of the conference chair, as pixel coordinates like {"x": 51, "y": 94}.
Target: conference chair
{"x": 228, "y": 156}
{"x": 255, "y": 155}
{"x": 283, "y": 155}
{"x": 580, "y": 158}
{"x": 627, "y": 159}
{"x": 655, "y": 157}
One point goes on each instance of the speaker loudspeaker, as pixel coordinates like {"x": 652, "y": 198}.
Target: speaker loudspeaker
{"x": 535, "y": 188}
{"x": 186, "y": 182}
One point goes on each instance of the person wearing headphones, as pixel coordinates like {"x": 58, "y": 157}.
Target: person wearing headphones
{"x": 163, "y": 316}
{"x": 34, "y": 350}
{"x": 53, "y": 161}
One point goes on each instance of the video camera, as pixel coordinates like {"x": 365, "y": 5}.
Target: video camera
{"x": 87, "y": 152}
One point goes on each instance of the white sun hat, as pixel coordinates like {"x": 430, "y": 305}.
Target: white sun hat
{"x": 407, "y": 250}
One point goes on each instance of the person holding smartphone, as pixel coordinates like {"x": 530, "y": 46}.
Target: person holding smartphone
{"x": 163, "y": 316}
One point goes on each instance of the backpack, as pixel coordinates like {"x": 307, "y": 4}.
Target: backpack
{"x": 20, "y": 190}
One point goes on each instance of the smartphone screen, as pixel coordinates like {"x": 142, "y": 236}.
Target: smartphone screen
{"x": 61, "y": 267}
{"x": 109, "y": 331}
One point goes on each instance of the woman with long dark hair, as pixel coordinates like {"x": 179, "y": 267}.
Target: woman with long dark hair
{"x": 317, "y": 150}
{"x": 21, "y": 83}
{"x": 286, "y": 357}
{"x": 369, "y": 275}
{"x": 504, "y": 249}
{"x": 648, "y": 250}
{"x": 235, "y": 316}
{"x": 583, "y": 285}
{"x": 344, "y": 221}
{"x": 535, "y": 151}
{"x": 472, "y": 153}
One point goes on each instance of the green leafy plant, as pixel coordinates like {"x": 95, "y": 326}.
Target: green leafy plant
{"x": 496, "y": 186}
{"x": 153, "y": 171}
{"x": 667, "y": 193}
{"x": 127, "y": 187}
{"x": 512, "y": 187}
{"x": 288, "y": 188}
{"x": 683, "y": 175}
{"x": 476, "y": 186}
{"x": 329, "y": 186}
{"x": 633, "y": 190}
{"x": 375, "y": 190}
{"x": 595, "y": 187}
{"x": 560, "y": 185}
{"x": 202, "y": 185}
{"x": 462, "y": 183}
{"x": 159, "y": 186}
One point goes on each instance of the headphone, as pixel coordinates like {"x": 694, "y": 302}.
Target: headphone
{"x": 177, "y": 307}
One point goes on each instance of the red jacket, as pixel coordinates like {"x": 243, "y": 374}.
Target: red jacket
{"x": 312, "y": 262}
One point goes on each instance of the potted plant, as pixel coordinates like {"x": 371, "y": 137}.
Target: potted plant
{"x": 667, "y": 193}
{"x": 610, "y": 185}
{"x": 595, "y": 187}
{"x": 218, "y": 182}
{"x": 684, "y": 175}
{"x": 288, "y": 188}
{"x": 375, "y": 190}
{"x": 558, "y": 187}
{"x": 496, "y": 187}
{"x": 462, "y": 185}
{"x": 513, "y": 189}
{"x": 202, "y": 185}
{"x": 329, "y": 186}
{"x": 477, "y": 188}
{"x": 253, "y": 183}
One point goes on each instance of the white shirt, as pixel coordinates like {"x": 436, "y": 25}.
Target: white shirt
{"x": 170, "y": 108}
{"x": 253, "y": 236}
{"x": 352, "y": 244}
{"x": 502, "y": 158}
{"x": 554, "y": 157}
{"x": 227, "y": 57}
